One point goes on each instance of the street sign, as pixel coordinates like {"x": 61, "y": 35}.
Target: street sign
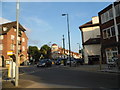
{"x": 10, "y": 53}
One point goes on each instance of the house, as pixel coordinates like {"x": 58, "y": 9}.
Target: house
{"x": 91, "y": 41}
{"x": 58, "y": 52}
{"x": 110, "y": 31}
{"x": 8, "y": 43}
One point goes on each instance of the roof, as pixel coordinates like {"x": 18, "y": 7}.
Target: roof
{"x": 10, "y": 25}
{"x": 88, "y": 24}
{"x": 92, "y": 41}
{"x": 54, "y": 44}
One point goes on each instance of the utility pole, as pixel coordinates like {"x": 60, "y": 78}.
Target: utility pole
{"x": 16, "y": 68}
{"x": 68, "y": 37}
{"x": 64, "y": 45}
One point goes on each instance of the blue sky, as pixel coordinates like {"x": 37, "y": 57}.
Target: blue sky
{"x": 45, "y": 23}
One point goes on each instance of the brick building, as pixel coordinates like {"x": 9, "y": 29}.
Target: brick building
{"x": 8, "y": 43}
{"x": 109, "y": 19}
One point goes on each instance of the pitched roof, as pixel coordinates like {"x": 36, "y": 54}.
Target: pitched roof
{"x": 10, "y": 25}
{"x": 92, "y": 41}
{"x": 88, "y": 24}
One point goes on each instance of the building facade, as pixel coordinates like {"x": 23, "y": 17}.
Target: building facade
{"x": 91, "y": 41}
{"x": 110, "y": 31}
{"x": 58, "y": 52}
{"x": 8, "y": 43}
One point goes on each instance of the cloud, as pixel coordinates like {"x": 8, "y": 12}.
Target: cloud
{"x": 3, "y": 20}
{"x": 37, "y": 23}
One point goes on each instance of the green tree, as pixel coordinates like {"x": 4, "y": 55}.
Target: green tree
{"x": 45, "y": 51}
{"x": 34, "y": 52}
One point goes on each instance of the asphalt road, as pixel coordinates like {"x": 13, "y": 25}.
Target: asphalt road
{"x": 74, "y": 78}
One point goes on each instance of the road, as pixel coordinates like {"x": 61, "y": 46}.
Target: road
{"x": 63, "y": 76}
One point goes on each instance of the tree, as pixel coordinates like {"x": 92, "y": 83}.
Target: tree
{"x": 45, "y": 51}
{"x": 34, "y": 52}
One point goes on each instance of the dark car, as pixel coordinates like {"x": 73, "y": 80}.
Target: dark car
{"x": 79, "y": 61}
{"x": 44, "y": 63}
{"x": 58, "y": 62}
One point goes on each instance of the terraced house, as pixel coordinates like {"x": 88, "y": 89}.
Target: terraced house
{"x": 109, "y": 19}
{"x": 8, "y": 43}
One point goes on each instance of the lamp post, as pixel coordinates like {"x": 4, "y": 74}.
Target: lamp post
{"x": 64, "y": 45}
{"x": 16, "y": 68}
{"x": 68, "y": 36}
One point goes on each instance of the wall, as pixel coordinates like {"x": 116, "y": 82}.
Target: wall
{"x": 90, "y": 32}
{"x": 91, "y": 50}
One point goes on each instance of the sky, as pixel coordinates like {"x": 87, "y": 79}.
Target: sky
{"x": 44, "y": 21}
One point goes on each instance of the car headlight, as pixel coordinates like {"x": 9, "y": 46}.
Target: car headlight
{"x": 43, "y": 63}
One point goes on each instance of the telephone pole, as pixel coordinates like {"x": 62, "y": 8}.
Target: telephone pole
{"x": 64, "y": 45}
{"x": 16, "y": 68}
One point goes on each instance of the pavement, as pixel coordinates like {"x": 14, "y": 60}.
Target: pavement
{"x": 31, "y": 84}
{"x": 95, "y": 68}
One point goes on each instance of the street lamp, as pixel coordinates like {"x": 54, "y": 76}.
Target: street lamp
{"x": 68, "y": 36}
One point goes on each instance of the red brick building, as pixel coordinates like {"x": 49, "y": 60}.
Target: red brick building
{"x": 8, "y": 42}
{"x": 109, "y": 19}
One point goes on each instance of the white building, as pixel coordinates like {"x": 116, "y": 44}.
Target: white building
{"x": 91, "y": 41}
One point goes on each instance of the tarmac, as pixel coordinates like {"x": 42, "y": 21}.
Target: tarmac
{"x": 31, "y": 84}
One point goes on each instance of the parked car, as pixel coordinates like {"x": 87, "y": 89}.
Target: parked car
{"x": 73, "y": 62}
{"x": 44, "y": 63}
{"x": 58, "y": 62}
{"x": 79, "y": 61}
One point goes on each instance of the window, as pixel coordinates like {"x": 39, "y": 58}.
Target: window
{"x": 102, "y": 18}
{"x": 118, "y": 28}
{"x": 18, "y": 47}
{"x": 23, "y": 48}
{"x": 4, "y": 28}
{"x": 12, "y": 47}
{"x": 111, "y": 53}
{"x": 113, "y": 31}
{"x": 110, "y": 14}
{"x": 12, "y": 37}
{"x": 117, "y": 10}
{"x": 104, "y": 34}
{"x": 1, "y": 37}
{"x": 15, "y": 30}
{"x": 108, "y": 32}
{"x": 18, "y": 38}
{"x": 1, "y": 46}
{"x": 23, "y": 39}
